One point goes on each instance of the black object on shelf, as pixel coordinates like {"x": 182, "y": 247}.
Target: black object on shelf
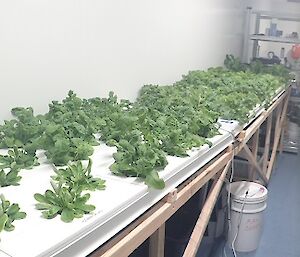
{"x": 271, "y": 59}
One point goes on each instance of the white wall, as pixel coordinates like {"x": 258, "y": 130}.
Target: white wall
{"x": 258, "y": 4}
{"x": 93, "y": 46}
{"x": 285, "y": 6}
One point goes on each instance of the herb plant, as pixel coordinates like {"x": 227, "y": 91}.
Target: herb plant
{"x": 12, "y": 163}
{"x": 18, "y": 159}
{"x": 139, "y": 160}
{"x": 165, "y": 120}
{"x": 64, "y": 202}
{"x": 8, "y": 214}
{"x": 67, "y": 198}
{"x": 11, "y": 178}
{"x": 78, "y": 178}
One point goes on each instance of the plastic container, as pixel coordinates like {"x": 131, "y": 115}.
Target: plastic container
{"x": 248, "y": 201}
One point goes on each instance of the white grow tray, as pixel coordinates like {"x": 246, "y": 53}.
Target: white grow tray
{"x": 123, "y": 200}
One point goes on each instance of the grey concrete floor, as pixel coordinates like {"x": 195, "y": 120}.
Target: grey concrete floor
{"x": 281, "y": 231}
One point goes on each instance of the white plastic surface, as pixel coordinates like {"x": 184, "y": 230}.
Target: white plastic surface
{"x": 123, "y": 201}
{"x": 35, "y": 236}
{"x": 248, "y": 201}
{"x": 256, "y": 192}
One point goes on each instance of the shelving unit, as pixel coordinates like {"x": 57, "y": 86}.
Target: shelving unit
{"x": 275, "y": 39}
{"x": 256, "y": 36}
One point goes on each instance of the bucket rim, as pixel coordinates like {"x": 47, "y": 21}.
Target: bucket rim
{"x": 238, "y": 189}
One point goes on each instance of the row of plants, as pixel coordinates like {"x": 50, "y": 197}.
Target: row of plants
{"x": 164, "y": 120}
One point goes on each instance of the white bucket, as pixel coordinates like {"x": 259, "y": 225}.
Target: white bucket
{"x": 246, "y": 215}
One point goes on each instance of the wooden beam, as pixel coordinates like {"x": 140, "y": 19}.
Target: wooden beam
{"x": 157, "y": 242}
{"x": 172, "y": 196}
{"x": 278, "y": 101}
{"x": 147, "y": 227}
{"x": 260, "y": 161}
{"x": 248, "y": 133}
{"x": 267, "y": 144}
{"x": 204, "y": 191}
{"x": 277, "y": 137}
{"x": 253, "y": 161}
{"x": 254, "y": 148}
{"x": 200, "y": 227}
{"x": 283, "y": 131}
{"x": 108, "y": 245}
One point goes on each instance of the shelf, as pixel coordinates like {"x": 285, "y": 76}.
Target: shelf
{"x": 275, "y": 39}
{"x": 252, "y": 33}
{"x": 280, "y": 16}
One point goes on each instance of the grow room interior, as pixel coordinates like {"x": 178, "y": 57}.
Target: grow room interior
{"x": 149, "y": 128}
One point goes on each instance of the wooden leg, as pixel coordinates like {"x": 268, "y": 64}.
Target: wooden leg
{"x": 280, "y": 147}
{"x": 204, "y": 195}
{"x": 157, "y": 242}
{"x": 198, "y": 232}
{"x": 253, "y": 161}
{"x": 254, "y": 147}
{"x": 267, "y": 144}
{"x": 283, "y": 132}
{"x": 278, "y": 127}
{"x": 135, "y": 237}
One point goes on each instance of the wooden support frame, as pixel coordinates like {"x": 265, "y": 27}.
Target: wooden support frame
{"x": 152, "y": 223}
{"x": 157, "y": 242}
{"x": 247, "y": 133}
{"x": 267, "y": 144}
{"x": 126, "y": 242}
{"x": 254, "y": 148}
{"x": 278, "y": 129}
{"x": 200, "y": 227}
{"x": 263, "y": 167}
{"x": 254, "y": 163}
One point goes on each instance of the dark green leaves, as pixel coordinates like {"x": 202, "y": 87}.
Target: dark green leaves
{"x": 10, "y": 178}
{"x": 79, "y": 178}
{"x": 8, "y": 214}
{"x": 280, "y": 71}
{"x": 139, "y": 159}
{"x": 165, "y": 120}
{"x": 61, "y": 201}
{"x": 153, "y": 180}
{"x": 21, "y": 130}
{"x": 3, "y": 220}
{"x": 233, "y": 63}
{"x": 18, "y": 159}
{"x": 11, "y": 164}
{"x": 66, "y": 197}
{"x": 232, "y": 95}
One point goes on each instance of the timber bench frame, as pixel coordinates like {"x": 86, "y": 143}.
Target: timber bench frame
{"x": 152, "y": 223}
